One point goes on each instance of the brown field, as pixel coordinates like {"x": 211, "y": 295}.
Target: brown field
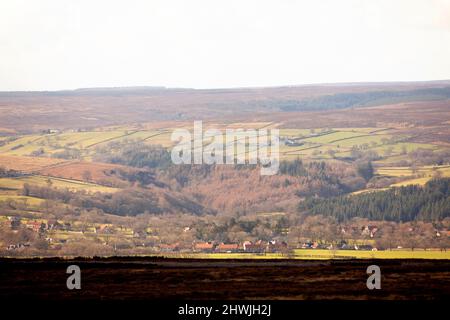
{"x": 154, "y": 278}
{"x": 60, "y": 168}
{"x": 28, "y": 164}
{"x": 76, "y": 169}
{"x": 402, "y": 115}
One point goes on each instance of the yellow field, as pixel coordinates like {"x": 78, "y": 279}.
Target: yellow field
{"x": 311, "y": 254}
{"x": 21, "y": 146}
{"x": 340, "y": 140}
{"x": 358, "y": 254}
{"x": 398, "y": 148}
{"x": 361, "y": 140}
{"x": 30, "y": 201}
{"x": 27, "y": 164}
{"x": 369, "y": 190}
{"x": 331, "y": 137}
{"x": 407, "y": 171}
{"x": 362, "y": 130}
{"x": 73, "y": 185}
{"x": 419, "y": 176}
{"x": 52, "y": 143}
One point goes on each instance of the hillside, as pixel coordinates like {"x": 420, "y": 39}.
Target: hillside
{"x": 89, "y": 171}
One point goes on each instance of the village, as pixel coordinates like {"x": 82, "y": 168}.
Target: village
{"x": 57, "y": 233}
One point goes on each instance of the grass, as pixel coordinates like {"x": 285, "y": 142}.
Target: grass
{"x": 358, "y": 254}
{"x": 30, "y": 201}
{"x": 52, "y": 143}
{"x": 73, "y": 185}
{"x": 82, "y": 140}
{"x": 341, "y": 141}
{"x": 333, "y": 136}
{"x": 27, "y": 164}
{"x": 408, "y": 171}
{"x": 163, "y": 139}
{"x": 419, "y": 176}
{"x": 377, "y": 139}
{"x": 362, "y": 130}
{"x": 399, "y": 148}
{"x": 21, "y": 146}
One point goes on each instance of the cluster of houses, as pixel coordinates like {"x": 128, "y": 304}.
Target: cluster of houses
{"x": 71, "y": 232}
{"x": 292, "y": 142}
{"x": 18, "y": 246}
{"x": 14, "y": 223}
{"x": 343, "y": 245}
{"x": 221, "y": 247}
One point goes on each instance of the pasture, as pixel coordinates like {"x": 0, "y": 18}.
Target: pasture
{"x": 314, "y": 143}
{"x": 73, "y": 185}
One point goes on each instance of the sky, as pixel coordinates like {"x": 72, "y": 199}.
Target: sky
{"x": 59, "y": 44}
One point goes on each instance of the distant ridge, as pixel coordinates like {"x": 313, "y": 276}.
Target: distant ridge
{"x": 128, "y": 89}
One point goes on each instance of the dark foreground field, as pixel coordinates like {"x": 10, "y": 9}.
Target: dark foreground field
{"x": 153, "y": 278}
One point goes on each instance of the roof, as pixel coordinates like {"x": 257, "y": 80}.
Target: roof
{"x": 228, "y": 246}
{"x": 203, "y": 245}
{"x": 169, "y": 246}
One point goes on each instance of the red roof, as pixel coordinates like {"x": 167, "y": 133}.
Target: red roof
{"x": 228, "y": 246}
{"x": 203, "y": 245}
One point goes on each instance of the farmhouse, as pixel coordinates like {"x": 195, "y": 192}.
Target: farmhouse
{"x": 51, "y": 131}
{"x": 292, "y": 143}
{"x": 227, "y": 247}
{"x": 203, "y": 247}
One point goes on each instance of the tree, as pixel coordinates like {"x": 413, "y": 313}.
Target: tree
{"x": 41, "y": 244}
{"x": 365, "y": 170}
{"x": 87, "y": 176}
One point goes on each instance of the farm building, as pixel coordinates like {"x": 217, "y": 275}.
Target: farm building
{"x": 227, "y": 247}
{"x": 203, "y": 247}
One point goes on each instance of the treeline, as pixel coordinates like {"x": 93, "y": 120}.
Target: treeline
{"x": 126, "y": 202}
{"x": 134, "y": 154}
{"x": 428, "y": 203}
{"x": 6, "y": 173}
{"x": 359, "y": 99}
{"x": 239, "y": 230}
{"x": 324, "y": 179}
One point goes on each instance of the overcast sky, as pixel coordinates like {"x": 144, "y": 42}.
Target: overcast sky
{"x": 57, "y": 44}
